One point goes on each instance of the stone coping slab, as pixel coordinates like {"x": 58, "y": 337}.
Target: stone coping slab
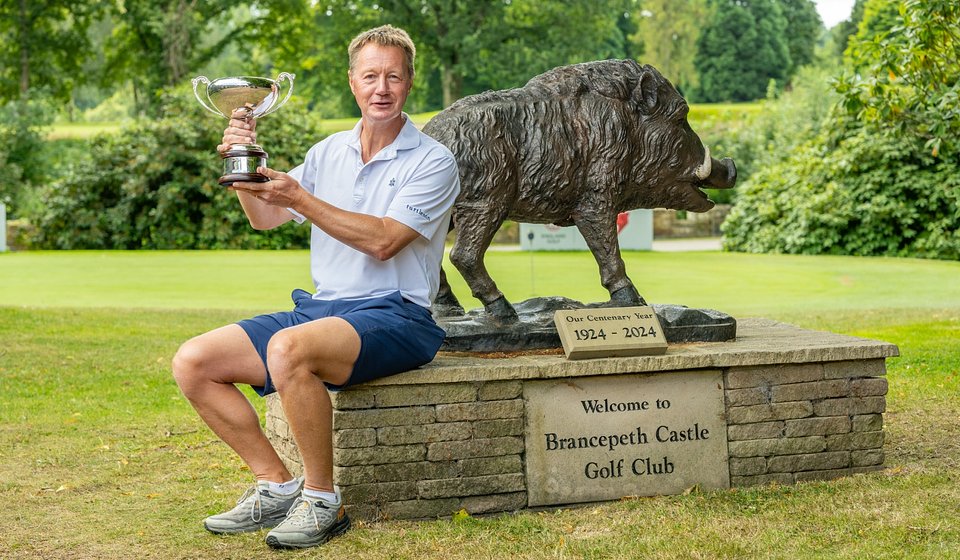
{"x": 759, "y": 342}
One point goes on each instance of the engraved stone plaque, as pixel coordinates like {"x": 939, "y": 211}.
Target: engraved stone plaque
{"x": 603, "y": 438}
{"x": 611, "y": 331}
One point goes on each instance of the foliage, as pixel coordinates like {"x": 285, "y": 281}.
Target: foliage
{"x": 868, "y": 195}
{"x": 22, "y": 156}
{"x": 42, "y": 46}
{"x": 803, "y": 29}
{"x": 761, "y": 137}
{"x": 668, "y": 30}
{"x": 908, "y": 79}
{"x": 541, "y": 35}
{"x": 462, "y": 46}
{"x": 155, "y": 43}
{"x": 846, "y": 29}
{"x": 153, "y": 186}
{"x": 883, "y": 177}
{"x": 742, "y": 47}
{"x": 877, "y": 18}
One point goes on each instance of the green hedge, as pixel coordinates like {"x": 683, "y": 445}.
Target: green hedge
{"x": 154, "y": 186}
{"x": 867, "y": 195}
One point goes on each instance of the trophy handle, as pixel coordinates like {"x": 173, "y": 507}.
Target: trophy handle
{"x": 284, "y": 76}
{"x": 196, "y": 82}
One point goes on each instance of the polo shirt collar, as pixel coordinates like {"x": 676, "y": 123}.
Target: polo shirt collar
{"x": 408, "y": 139}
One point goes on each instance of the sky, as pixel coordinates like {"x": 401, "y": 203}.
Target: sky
{"x": 833, "y": 12}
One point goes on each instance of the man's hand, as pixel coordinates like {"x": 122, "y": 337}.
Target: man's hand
{"x": 281, "y": 190}
{"x": 239, "y": 131}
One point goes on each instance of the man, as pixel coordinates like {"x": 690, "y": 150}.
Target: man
{"x": 379, "y": 199}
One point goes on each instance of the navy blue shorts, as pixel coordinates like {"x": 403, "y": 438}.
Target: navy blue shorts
{"x": 395, "y": 335}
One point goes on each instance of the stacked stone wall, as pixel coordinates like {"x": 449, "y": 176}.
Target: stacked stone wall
{"x": 798, "y": 405}
{"x": 418, "y": 451}
{"x": 798, "y": 422}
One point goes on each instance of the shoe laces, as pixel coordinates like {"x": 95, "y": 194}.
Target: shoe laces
{"x": 256, "y": 509}
{"x": 302, "y": 509}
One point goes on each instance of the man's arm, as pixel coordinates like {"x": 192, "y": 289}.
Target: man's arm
{"x": 381, "y": 238}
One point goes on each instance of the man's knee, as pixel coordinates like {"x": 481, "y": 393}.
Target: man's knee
{"x": 284, "y": 357}
{"x": 187, "y": 363}
{"x": 295, "y": 355}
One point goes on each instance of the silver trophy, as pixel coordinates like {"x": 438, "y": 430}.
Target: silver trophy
{"x": 257, "y": 97}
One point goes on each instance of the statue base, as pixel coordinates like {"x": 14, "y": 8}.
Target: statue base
{"x": 476, "y": 331}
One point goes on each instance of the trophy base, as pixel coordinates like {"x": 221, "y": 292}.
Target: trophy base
{"x": 231, "y": 178}
{"x": 240, "y": 164}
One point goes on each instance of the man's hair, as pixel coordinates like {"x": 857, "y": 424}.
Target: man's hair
{"x": 385, "y": 36}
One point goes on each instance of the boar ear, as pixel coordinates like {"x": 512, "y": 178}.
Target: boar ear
{"x": 645, "y": 94}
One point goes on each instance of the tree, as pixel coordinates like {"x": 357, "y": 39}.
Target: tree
{"x": 471, "y": 45}
{"x": 741, "y": 49}
{"x": 42, "y": 45}
{"x": 843, "y": 31}
{"x": 668, "y": 31}
{"x": 907, "y": 81}
{"x": 804, "y": 27}
{"x": 155, "y": 43}
{"x": 539, "y": 35}
{"x": 883, "y": 177}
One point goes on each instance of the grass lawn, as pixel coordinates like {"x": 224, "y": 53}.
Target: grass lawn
{"x": 733, "y": 112}
{"x": 100, "y": 456}
{"x": 62, "y": 131}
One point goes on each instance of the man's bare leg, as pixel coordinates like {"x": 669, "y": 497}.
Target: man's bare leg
{"x": 206, "y": 368}
{"x": 301, "y": 359}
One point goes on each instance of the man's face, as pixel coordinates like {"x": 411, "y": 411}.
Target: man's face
{"x": 379, "y": 82}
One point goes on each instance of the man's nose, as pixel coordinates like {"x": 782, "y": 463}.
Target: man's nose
{"x": 382, "y": 84}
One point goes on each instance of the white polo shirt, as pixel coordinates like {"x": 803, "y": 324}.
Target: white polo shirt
{"x": 414, "y": 181}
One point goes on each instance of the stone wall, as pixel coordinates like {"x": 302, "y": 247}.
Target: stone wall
{"x": 423, "y": 450}
{"x": 680, "y": 223}
{"x": 799, "y": 405}
{"x": 791, "y": 423}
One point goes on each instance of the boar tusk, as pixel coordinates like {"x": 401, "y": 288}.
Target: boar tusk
{"x": 703, "y": 171}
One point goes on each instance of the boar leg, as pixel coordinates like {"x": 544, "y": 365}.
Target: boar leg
{"x": 476, "y": 227}
{"x": 600, "y": 233}
{"x": 446, "y": 303}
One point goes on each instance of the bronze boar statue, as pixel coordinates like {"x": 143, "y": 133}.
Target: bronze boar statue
{"x": 576, "y": 145}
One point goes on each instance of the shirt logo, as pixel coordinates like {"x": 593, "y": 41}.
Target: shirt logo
{"x": 418, "y": 211}
{"x": 393, "y": 182}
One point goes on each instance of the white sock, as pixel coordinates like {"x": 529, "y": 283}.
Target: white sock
{"x": 285, "y": 488}
{"x": 329, "y": 497}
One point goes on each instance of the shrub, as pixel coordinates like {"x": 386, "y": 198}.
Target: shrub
{"x": 21, "y": 151}
{"x": 869, "y": 195}
{"x": 763, "y": 137}
{"x": 153, "y": 186}
{"x": 881, "y": 179}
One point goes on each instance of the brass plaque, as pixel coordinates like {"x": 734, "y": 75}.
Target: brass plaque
{"x": 612, "y": 331}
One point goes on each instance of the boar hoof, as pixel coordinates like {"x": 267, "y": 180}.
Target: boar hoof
{"x": 501, "y": 311}
{"x": 627, "y": 295}
{"x": 446, "y": 310}
{"x": 446, "y": 305}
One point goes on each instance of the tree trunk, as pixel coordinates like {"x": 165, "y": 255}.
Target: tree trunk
{"x": 24, "y": 29}
{"x": 451, "y": 82}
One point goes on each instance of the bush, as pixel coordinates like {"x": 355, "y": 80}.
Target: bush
{"x": 154, "y": 186}
{"x": 881, "y": 179}
{"x": 764, "y": 137}
{"x": 21, "y": 152}
{"x": 869, "y": 195}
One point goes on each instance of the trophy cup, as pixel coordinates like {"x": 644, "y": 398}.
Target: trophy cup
{"x": 257, "y": 97}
